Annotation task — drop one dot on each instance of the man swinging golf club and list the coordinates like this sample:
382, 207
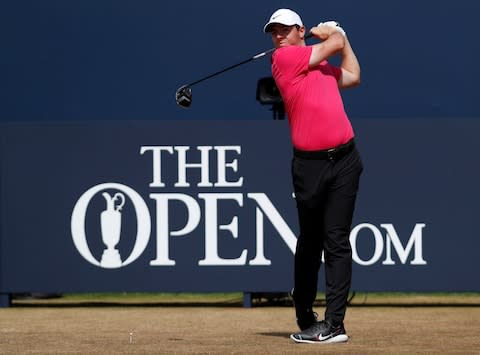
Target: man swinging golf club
326, 166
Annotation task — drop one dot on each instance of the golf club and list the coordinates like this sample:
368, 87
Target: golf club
183, 95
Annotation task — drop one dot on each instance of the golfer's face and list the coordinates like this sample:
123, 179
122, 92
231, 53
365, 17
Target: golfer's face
283, 36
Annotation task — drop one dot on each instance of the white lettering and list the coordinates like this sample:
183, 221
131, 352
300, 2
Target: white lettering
183, 165
163, 229
260, 257
415, 239
378, 244
211, 230
157, 163
277, 221
222, 165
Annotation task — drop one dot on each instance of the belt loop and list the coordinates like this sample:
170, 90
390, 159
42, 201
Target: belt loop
331, 154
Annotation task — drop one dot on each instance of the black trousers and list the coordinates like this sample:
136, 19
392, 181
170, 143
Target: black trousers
325, 192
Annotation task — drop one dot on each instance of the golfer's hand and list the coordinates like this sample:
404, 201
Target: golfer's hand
325, 29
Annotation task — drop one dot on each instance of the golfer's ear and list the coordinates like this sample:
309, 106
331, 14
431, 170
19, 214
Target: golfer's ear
301, 30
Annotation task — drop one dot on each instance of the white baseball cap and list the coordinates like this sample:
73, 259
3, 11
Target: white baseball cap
284, 17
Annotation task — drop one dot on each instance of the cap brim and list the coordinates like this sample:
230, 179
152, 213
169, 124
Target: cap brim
268, 27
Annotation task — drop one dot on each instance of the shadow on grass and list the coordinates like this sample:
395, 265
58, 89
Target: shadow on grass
275, 334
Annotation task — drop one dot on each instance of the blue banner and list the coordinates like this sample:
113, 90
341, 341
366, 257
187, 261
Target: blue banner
208, 206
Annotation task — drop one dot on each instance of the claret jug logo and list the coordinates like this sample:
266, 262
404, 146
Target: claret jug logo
111, 224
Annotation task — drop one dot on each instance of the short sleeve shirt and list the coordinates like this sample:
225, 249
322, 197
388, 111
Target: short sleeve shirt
313, 103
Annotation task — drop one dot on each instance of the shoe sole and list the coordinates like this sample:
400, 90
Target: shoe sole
341, 338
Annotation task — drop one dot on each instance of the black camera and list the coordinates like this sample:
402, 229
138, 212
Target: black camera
268, 94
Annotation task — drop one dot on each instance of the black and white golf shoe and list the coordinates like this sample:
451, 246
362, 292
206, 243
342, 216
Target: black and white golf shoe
321, 332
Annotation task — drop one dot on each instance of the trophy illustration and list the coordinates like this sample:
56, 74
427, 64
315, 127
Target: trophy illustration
111, 225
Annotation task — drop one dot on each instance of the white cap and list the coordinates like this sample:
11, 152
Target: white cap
284, 17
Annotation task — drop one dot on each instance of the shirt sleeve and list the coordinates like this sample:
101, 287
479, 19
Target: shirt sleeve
336, 71
291, 61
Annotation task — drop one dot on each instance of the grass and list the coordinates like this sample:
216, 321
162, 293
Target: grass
236, 299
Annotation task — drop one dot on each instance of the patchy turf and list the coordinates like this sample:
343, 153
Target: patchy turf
169, 324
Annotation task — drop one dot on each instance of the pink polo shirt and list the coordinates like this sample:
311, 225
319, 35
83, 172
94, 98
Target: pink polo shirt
312, 99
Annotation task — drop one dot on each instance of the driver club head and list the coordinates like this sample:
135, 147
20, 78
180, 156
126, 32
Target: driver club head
183, 96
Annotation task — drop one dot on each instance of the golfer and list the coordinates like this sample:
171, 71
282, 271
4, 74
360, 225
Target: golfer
326, 166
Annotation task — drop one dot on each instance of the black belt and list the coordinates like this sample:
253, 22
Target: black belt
328, 154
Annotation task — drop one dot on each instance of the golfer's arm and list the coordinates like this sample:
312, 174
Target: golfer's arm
332, 43
350, 67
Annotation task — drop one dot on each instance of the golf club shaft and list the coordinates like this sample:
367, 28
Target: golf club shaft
259, 55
